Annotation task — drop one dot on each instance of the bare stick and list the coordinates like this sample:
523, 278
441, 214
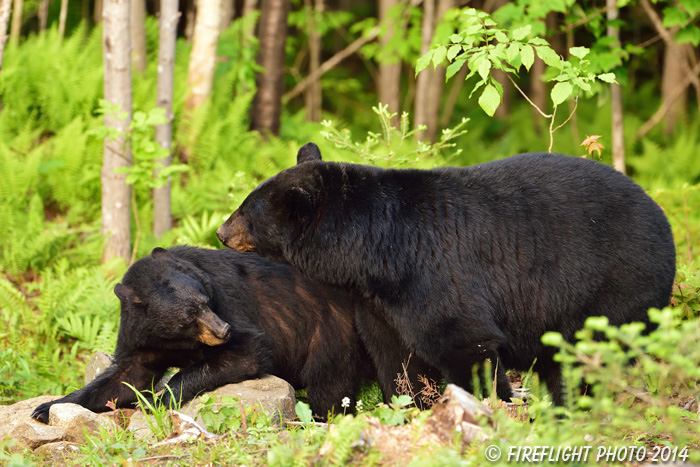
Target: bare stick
528, 99
330, 63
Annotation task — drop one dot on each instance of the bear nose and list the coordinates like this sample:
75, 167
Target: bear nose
225, 332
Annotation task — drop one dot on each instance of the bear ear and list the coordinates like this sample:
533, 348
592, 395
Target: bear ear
298, 202
159, 252
308, 152
126, 293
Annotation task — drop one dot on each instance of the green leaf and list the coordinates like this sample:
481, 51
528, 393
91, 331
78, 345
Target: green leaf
538, 41
552, 338
484, 69
456, 38
688, 35
439, 55
561, 92
453, 51
423, 61
549, 56
454, 68
521, 33
501, 37
607, 77
490, 100
579, 52
512, 52
527, 54
303, 412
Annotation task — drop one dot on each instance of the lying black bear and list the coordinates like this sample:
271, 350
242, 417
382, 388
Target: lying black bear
224, 317
468, 263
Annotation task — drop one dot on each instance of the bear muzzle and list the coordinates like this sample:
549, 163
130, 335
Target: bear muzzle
212, 329
234, 234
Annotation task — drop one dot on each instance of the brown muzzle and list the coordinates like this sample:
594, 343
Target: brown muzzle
234, 234
212, 329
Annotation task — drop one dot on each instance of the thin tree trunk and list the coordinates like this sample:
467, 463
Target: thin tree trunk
573, 124
138, 34
538, 90
313, 95
5, 9
430, 83
200, 74
248, 7
267, 105
16, 26
169, 14
672, 78
62, 18
618, 128
97, 14
228, 11
43, 14
389, 84
116, 215
85, 12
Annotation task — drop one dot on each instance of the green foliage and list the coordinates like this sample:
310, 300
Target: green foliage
227, 414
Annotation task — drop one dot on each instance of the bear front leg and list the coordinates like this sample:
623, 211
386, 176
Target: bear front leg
108, 386
217, 369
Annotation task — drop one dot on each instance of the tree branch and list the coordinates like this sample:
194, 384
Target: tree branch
330, 63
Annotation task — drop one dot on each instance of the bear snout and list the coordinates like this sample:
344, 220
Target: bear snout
234, 234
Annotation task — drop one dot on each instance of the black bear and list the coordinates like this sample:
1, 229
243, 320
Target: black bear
465, 264
224, 317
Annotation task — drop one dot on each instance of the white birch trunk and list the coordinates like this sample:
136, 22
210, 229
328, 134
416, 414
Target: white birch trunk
200, 74
62, 18
5, 9
162, 216
116, 215
138, 34
618, 130
16, 26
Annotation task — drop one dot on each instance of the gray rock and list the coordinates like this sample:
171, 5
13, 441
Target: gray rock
275, 395
57, 447
77, 420
96, 365
139, 425
33, 434
19, 413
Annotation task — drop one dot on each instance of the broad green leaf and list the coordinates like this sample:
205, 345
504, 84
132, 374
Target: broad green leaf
456, 38
691, 6
607, 77
521, 33
439, 55
424, 61
502, 38
561, 92
549, 56
689, 34
477, 86
454, 67
579, 52
527, 54
538, 41
490, 100
453, 51
484, 69
512, 51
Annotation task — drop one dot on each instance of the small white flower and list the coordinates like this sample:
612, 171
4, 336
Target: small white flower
358, 405
346, 402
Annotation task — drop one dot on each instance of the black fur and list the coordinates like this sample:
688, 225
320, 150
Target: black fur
267, 319
464, 264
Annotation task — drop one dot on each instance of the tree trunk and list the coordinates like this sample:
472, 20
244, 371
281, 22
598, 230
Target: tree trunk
62, 18
267, 105
248, 6
5, 9
313, 95
162, 216
138, 34
116, 216
43, 14
190, 18
228, 11
538, 89
618, 129
200, 74
97, 14
16, 26
389, 84
430, 83
672, 78
85, 12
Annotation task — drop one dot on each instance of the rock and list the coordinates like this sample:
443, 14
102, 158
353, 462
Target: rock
77, 420
96, 365
138, 424
275, 395
33, 434
19, 413
57, 447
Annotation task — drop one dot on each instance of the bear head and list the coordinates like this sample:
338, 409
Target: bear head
165, 303
273, 214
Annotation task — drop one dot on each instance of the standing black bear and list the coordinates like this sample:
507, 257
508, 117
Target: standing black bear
224, 317
465, 264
